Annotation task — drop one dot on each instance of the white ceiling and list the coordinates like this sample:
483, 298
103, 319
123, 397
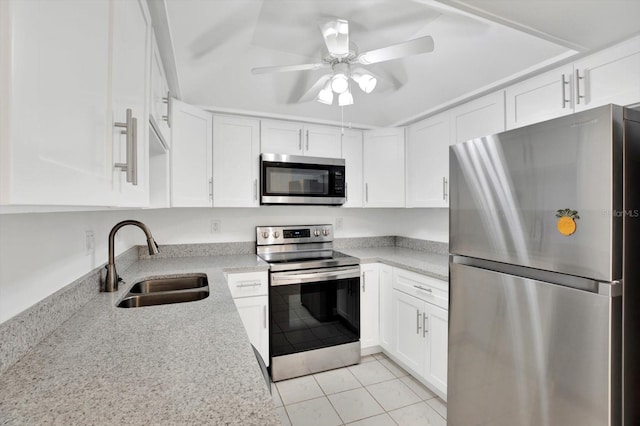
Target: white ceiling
478, 43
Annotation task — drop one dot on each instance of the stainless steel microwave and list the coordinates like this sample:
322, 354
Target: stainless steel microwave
293, 179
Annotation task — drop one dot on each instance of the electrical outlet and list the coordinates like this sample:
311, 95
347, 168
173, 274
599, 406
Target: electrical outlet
216, 226
89, 242
339, 224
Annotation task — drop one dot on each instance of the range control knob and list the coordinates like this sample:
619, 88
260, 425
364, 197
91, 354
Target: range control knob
316, 233
325, 232
276, 234
265, 234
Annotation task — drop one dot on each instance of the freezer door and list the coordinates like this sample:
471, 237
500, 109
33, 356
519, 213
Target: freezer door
507, 189
530, 353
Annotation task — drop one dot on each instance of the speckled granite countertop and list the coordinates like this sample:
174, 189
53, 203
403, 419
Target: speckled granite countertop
181, 364
427, 263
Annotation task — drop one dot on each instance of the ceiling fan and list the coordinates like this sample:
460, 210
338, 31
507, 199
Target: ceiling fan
343, 59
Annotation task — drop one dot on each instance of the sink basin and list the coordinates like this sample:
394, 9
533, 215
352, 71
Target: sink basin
163, 298
164, 291
155, 285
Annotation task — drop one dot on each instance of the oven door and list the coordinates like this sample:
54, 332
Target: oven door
314, 309
288, 179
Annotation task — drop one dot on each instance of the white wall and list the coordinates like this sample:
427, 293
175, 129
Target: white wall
42, 252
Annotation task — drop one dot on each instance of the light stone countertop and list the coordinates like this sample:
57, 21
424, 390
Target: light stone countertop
427, 263
181, 364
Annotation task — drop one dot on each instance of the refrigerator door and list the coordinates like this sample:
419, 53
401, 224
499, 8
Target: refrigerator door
530, 353
507, 189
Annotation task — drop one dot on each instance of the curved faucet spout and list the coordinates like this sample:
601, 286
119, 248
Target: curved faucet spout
112, 278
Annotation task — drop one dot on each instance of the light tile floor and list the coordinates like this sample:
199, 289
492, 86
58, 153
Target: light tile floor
376, 392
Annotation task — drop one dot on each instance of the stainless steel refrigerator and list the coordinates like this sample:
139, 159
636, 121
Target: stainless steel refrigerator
544, 317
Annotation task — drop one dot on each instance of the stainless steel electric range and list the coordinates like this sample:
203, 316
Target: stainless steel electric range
314, 300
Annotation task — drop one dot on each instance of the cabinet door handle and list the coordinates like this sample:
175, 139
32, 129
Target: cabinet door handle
129, 131
578, 95
264, 316
363, 283
366, 192
445, 184
346, 192
134, 152
210, 189
425, 320
565, 82
307, 148
255, 189
417, 322
300, 140
167, 101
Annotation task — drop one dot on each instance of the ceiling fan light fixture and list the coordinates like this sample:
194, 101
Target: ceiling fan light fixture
325, 95
345, 98
366, 81
339, 83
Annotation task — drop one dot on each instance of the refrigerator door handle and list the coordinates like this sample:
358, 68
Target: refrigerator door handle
611, 289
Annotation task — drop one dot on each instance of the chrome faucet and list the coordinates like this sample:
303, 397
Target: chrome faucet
112, 279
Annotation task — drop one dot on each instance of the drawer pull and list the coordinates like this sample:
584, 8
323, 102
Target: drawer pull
248, 284
419, 287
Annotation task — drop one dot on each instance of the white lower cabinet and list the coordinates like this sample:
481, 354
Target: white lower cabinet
420, 327
369, 300
250, 294
385, 280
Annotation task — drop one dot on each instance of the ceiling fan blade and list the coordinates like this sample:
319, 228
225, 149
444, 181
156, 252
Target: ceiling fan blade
400, 50
336, 37
312, 93
288, 68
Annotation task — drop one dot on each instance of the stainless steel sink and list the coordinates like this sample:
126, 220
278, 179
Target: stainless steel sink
163, 291
155, 285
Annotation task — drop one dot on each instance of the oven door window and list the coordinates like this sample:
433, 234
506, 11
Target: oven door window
314, 315
296, 181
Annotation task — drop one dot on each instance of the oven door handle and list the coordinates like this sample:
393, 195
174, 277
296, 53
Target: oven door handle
287, 278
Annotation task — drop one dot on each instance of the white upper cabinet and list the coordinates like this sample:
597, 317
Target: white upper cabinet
191, 156
384, 168
236, 153
427, 165
610, 76
352, 154
481, 117
293, 138
322, 141
70, 72
540, 98
281, 137
54, 99
160, 96
130, 85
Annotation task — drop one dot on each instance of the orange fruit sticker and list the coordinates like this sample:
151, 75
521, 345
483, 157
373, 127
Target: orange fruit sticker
567, 221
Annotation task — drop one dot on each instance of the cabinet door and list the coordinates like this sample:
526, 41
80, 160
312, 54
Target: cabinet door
610, 76
385, 283
281, 137
481, 117
253, 311
352, 154
384, 168
435, 325
369, 297
54, 95
236, 153
409, 339
428, 162
540, 98
131, 44
159, 101
191, 156
322, 141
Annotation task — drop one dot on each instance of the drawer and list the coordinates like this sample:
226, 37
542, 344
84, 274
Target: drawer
425, 288
244, 284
